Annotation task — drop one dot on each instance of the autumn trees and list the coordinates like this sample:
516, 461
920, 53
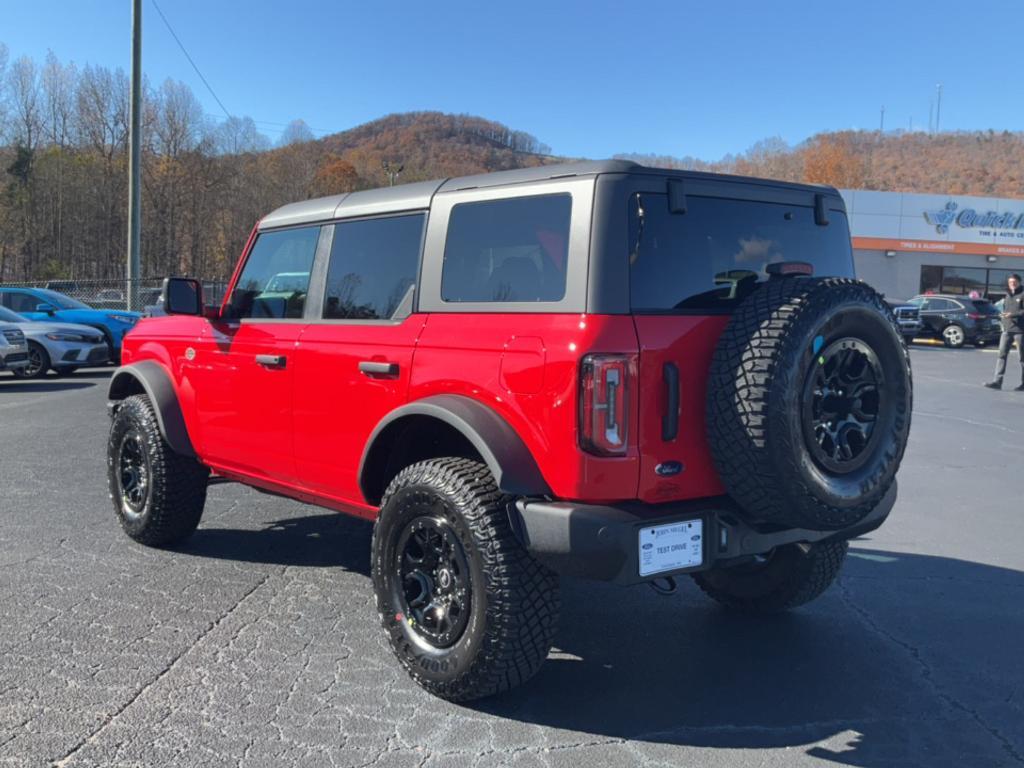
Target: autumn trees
63, 170
206, 181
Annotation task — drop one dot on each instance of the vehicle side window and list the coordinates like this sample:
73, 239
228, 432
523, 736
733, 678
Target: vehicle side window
374, 266
508, 250
275, 278
20, 301
939, 305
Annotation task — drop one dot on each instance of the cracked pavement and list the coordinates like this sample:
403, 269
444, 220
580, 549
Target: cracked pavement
256, 643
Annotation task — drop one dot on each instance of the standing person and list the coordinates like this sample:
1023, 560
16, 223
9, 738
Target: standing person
1013, 330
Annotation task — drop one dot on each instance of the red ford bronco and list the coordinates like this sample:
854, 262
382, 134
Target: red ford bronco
596, 369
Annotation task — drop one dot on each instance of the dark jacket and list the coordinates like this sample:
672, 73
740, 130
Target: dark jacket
1013, 305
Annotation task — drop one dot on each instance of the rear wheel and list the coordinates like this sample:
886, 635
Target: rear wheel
785, 578
158, 495
468, 611
38, 363
953, 336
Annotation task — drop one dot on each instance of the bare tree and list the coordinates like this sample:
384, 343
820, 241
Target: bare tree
296, 132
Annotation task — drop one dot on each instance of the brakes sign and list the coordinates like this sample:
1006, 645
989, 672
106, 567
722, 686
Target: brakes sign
671, 547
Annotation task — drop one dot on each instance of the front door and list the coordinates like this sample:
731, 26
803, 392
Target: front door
245, 362
355, 358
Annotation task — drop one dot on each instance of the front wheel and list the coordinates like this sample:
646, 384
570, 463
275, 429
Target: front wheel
158, 495
38, 363
468, 612
786, 577
953, 336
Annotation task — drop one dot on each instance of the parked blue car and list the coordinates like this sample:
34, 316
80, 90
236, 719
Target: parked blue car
43, 304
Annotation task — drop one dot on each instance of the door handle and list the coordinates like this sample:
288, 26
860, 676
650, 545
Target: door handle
670, 419
271, 361
374, 368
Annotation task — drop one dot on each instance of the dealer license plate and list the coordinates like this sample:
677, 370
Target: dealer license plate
671, 546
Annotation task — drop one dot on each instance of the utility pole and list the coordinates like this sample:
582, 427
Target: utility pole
881, 123
938, 106
135, 161
391, 171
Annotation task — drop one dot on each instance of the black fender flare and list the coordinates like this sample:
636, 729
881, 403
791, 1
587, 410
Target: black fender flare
499, 445
159, 388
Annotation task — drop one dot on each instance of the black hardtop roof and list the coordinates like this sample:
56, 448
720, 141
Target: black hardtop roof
417, 195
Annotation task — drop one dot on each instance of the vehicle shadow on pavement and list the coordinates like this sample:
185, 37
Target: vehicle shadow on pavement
894, 665
330, 540
39, 385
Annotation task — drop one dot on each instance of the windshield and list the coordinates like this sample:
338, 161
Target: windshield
61, 301
10, 317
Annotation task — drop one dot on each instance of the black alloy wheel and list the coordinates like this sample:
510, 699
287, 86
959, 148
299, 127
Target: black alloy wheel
467, 611
842, 401
158, 495
433, 583
133, 473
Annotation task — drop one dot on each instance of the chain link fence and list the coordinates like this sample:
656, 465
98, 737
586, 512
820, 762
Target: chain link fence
116, 294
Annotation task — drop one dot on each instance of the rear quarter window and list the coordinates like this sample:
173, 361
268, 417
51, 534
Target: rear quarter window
710, 258
511, 250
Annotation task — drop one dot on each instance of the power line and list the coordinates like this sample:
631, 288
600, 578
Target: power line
190, 61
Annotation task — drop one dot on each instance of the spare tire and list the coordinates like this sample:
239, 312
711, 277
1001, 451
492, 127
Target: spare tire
809, 401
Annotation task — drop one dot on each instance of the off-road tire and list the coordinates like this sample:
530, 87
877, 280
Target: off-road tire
760, 374
514, 600
788, 578
30, 371
176, 485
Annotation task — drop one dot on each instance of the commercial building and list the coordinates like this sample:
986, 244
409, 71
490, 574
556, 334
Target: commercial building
905, 244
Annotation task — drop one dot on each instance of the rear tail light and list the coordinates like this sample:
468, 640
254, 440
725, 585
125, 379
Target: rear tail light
975, 316
605, 384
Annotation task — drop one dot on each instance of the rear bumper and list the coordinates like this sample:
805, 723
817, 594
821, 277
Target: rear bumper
602, 542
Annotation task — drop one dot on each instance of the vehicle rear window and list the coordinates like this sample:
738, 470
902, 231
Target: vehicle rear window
710, 258
507, 250
985, 307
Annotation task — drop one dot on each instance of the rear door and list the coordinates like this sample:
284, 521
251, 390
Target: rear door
355, 357
689, 270
933, 315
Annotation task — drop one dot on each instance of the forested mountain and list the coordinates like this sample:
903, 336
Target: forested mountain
987, 163
64, 176
63, 168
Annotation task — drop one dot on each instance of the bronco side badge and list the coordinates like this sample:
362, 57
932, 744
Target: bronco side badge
669, 468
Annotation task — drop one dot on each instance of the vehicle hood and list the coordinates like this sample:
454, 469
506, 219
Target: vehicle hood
41, 328
92, 315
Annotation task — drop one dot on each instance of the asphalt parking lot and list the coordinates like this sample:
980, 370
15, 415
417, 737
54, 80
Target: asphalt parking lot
257, 644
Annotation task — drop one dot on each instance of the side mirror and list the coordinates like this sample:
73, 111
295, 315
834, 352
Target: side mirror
182, 296
47, 308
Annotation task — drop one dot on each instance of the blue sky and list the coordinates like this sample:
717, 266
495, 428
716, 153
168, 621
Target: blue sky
589, 79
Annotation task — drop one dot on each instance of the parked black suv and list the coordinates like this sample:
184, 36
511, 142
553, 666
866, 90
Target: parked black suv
958, 320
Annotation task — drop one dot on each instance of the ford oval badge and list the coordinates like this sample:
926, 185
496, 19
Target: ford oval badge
669, 468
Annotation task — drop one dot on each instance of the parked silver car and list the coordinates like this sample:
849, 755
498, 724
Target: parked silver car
13, 350
60, 346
